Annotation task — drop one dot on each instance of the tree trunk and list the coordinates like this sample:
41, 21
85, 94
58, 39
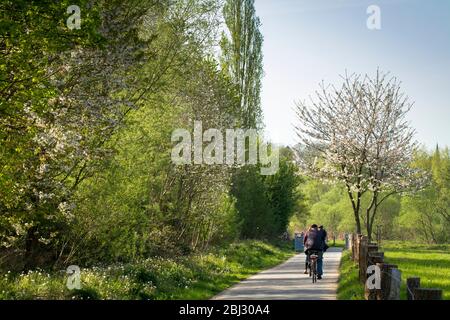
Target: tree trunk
356, 208
370, 218
369, 231
362, 258
31, 244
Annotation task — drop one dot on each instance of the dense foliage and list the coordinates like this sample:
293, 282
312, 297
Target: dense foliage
86, 121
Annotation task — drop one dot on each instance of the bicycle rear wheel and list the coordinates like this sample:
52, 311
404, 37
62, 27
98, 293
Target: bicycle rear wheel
314, 272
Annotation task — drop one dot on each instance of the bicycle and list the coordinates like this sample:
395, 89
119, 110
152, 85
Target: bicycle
312, 265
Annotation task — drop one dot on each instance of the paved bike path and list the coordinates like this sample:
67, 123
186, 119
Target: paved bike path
287, 282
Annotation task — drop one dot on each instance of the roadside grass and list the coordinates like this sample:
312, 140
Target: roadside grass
429, 262
195, 277
349, 286
339, 243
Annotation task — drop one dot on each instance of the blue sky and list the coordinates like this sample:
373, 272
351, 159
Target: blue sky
307, 41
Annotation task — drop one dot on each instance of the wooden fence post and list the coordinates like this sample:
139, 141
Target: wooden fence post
380, 265
362, 259
386, 280
427, 294
372, 247
357, 247
369, 294
411, 284
374, 258
396, 280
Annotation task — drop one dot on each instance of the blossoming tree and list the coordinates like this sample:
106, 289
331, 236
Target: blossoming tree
358, 134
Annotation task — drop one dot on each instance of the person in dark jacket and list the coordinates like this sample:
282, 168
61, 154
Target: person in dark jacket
314, 241
323, 236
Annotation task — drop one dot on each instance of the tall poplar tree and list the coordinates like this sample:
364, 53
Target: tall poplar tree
242, 58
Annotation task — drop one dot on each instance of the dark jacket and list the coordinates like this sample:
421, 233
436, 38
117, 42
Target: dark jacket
315, 240
323, 237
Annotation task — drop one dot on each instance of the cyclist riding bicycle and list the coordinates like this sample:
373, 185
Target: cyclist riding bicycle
314, 242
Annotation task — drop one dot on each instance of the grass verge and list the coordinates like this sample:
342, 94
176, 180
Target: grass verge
349, 287
194, 277
429, 262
